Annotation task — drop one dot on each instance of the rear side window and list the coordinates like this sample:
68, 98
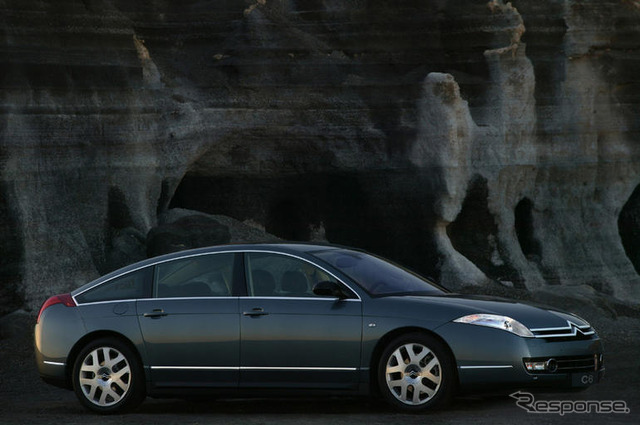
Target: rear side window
134, 285
208, 275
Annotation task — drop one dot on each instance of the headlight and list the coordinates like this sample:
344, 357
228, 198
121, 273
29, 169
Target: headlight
499, 322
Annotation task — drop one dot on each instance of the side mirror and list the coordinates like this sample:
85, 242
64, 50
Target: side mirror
326, 288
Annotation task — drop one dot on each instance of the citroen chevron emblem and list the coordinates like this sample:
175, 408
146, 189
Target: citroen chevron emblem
575, 328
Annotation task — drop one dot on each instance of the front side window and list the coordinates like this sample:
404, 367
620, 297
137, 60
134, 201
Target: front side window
276, 275
208, 275
134, 285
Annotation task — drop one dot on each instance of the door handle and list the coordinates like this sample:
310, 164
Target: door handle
258, 311
155, 313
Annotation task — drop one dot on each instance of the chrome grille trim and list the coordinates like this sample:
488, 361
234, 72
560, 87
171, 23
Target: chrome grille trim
571, 330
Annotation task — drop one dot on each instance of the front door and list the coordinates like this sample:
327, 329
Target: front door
292, 338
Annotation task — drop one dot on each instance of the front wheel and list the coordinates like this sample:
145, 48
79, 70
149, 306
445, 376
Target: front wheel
107, 377
416, 372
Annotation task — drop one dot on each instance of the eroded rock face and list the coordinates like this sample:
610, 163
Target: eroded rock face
181, 229
476, 142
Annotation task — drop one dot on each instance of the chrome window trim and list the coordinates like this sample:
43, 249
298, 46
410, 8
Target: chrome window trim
126, 300
243, 297
241, 368
266, 297
226, 297
200, 254
223, 297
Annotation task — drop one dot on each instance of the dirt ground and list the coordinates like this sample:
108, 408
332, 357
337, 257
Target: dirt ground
25, 399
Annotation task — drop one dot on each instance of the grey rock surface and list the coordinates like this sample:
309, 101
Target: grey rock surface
476, 142
181, 229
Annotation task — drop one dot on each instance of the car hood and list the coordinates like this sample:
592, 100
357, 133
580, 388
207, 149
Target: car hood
452, 306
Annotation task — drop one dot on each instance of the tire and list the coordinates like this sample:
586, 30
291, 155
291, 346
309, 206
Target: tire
108, 377
415, 373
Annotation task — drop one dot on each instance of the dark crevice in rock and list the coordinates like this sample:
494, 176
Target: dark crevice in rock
545, 40
531, 247
389, 119
124, 243
165, 197
601, 286
119, 215
629, 228
11, 256
474, 235
464, 43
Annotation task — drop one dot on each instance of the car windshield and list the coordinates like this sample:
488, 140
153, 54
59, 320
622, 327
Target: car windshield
377, 276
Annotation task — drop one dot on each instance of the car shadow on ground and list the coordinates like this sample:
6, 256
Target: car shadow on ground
307, 406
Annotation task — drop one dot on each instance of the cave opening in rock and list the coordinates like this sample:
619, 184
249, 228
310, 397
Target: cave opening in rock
474, 235
287, 206
629, 228
524, 226
386, 213
291, 218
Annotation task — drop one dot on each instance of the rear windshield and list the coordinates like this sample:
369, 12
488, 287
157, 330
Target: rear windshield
377, 276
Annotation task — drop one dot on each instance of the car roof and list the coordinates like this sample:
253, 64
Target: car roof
287, 248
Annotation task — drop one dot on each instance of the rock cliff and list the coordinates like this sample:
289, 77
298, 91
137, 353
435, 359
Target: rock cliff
479, 142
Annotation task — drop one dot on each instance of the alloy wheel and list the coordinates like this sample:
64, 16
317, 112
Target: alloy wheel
413, 374
104, 376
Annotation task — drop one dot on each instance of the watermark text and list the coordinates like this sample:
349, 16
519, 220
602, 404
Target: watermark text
528, 402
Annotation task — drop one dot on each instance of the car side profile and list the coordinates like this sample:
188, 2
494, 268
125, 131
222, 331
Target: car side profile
278, 319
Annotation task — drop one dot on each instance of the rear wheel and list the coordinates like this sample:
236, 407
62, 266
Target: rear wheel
107, 377
416, 372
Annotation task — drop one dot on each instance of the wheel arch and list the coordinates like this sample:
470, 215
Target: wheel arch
86, 339
390, 336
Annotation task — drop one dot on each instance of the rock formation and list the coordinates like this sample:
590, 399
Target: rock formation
476, 142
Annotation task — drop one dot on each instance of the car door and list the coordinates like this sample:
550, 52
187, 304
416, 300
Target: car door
291, 338
191, 325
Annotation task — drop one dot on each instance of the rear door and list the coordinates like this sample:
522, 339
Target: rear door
191, 326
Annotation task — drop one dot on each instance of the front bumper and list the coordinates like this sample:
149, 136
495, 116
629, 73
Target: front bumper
488, 358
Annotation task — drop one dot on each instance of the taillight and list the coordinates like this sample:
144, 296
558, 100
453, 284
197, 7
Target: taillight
65, 299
